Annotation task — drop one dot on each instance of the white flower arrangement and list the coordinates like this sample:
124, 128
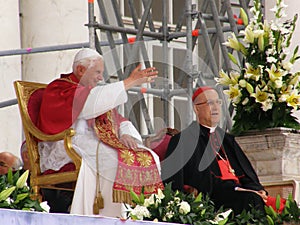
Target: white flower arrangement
15, 193
264, 91
170, 206
184, 208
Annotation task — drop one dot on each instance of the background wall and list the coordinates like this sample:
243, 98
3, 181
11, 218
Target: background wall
10, 70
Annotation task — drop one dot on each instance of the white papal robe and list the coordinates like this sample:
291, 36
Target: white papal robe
100, 100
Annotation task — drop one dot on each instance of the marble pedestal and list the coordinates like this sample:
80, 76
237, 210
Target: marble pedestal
274, 153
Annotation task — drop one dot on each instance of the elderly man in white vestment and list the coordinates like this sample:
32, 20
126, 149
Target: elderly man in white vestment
75, 100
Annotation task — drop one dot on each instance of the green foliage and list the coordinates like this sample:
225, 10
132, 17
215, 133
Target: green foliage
253, 216
291, 212
167, 206
15, 194
177, 207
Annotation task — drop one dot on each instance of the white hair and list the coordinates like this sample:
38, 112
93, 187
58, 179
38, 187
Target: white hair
18, 164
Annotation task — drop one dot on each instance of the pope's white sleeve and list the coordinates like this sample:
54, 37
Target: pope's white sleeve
126, 127
102, 99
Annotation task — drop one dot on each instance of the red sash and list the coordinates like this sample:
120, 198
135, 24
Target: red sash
136, 168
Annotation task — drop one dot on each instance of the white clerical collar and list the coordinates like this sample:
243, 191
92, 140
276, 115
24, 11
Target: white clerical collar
211, 129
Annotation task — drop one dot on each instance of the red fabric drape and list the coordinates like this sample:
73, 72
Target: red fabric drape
62, 102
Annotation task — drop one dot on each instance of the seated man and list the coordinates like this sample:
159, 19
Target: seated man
113, 159
209, 160
9, 160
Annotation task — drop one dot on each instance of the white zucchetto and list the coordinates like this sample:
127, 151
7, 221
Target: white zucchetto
86, 53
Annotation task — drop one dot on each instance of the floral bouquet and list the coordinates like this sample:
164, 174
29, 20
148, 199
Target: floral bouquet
263, 90
177, 207
15, 194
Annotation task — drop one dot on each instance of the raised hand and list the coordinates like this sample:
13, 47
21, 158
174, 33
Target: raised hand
138, 76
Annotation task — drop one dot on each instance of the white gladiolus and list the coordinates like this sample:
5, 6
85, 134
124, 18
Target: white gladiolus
271, 59
287, 66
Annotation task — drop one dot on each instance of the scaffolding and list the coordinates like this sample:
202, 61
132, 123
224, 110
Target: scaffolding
205, 23
192, 25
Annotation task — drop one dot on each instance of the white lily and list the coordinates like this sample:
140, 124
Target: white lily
293, 99
252, 73
21, 182
248, 35
221, 218
234, 94
45, 206
233, 42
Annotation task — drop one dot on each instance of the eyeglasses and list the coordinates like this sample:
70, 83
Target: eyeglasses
3, 164
211, 102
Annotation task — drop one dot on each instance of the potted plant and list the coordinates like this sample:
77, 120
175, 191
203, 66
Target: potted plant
263, 89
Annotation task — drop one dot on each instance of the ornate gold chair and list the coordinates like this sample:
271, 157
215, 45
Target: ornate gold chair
29, 96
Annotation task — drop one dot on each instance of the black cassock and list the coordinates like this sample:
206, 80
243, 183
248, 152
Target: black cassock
191, 160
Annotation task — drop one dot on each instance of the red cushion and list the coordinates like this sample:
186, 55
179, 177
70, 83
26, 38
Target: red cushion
34, 104
160, 147
65, 168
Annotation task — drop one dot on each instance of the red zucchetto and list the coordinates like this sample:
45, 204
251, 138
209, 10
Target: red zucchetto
200, 90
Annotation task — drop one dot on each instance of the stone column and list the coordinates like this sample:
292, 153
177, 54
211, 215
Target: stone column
51, 23
10, 129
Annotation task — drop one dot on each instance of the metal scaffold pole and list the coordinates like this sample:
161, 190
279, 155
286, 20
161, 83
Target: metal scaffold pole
213, 20
91, 21
165, 63
189, 59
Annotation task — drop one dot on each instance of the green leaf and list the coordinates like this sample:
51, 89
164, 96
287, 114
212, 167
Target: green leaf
278, 202
135, 197
21, 197
232, 58
223, 222
199, 197
10, 176
6, 193
270, 220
